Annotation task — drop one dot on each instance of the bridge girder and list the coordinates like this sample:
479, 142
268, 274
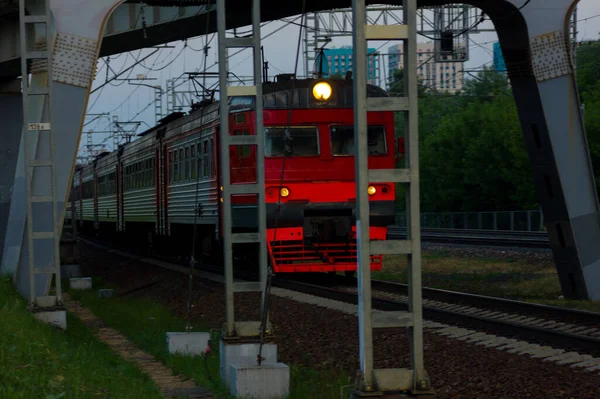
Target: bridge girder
534, 42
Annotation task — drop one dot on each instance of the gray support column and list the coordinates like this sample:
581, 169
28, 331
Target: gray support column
70, 87
233, 329
413, 379
11, 128
536, 46
15, 227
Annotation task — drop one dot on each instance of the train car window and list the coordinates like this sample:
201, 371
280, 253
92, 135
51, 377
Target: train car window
180, 177
132, 181
213, 167
187, 163
193, 162
199, 159
171, 166
152, 173
126, 178
206, 160
175, 167
304, 141
342, 140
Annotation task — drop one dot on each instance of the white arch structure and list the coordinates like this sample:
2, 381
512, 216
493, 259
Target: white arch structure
534, 38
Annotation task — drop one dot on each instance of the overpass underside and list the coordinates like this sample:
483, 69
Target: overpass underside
534, 42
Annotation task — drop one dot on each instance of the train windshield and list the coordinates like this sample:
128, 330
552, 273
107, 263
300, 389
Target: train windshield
303, 141
342, 140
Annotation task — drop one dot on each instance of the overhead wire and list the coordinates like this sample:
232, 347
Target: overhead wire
235, 53
128, 68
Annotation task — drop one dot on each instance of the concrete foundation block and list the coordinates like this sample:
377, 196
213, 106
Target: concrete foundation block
83, 283
56, 318
189, 344
70, 271
232, 353
46, 301
105, 293
267, 381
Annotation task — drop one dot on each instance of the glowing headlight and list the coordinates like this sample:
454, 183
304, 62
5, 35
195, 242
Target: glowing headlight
322, 91
284, 192
371, 190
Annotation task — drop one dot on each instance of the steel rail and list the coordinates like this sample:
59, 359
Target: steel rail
496, 326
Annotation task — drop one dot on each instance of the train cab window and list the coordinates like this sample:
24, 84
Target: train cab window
269, 100
303, 141
281, 99
342, 140
241, 100
206, 159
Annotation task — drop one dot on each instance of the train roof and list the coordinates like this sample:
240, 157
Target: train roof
276, 95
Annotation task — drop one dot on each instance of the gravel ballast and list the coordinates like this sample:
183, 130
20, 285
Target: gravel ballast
324, 338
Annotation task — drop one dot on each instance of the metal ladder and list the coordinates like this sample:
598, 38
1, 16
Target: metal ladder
34, 230
414, 379
227, 140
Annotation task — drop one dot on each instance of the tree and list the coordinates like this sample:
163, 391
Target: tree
396, 84
486, 84
588, 59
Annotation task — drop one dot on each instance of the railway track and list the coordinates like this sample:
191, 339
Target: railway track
545, 325
524, 239
567, 329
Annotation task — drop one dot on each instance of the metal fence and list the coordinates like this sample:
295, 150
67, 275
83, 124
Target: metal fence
500, 220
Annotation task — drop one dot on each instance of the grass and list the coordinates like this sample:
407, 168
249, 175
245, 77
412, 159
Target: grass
145, 323
41, 361
507, 278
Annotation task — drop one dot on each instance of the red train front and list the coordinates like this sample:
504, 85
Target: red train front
310, 175
163, 188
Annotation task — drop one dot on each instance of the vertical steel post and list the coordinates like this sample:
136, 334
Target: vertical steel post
35, 232
413, 233
359, 57
414, 379
260, 153
227, 140
225, 169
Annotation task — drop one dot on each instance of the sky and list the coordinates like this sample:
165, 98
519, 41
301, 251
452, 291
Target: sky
129, 102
